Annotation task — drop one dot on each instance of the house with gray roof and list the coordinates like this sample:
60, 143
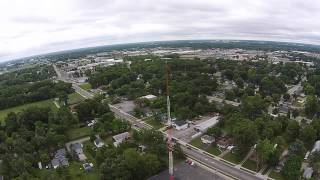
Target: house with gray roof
77, 151
119, 138
60, 159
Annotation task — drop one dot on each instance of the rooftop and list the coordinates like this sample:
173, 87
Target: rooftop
204, 126
121, 137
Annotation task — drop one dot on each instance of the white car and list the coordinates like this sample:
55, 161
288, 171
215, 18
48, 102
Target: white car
230, 148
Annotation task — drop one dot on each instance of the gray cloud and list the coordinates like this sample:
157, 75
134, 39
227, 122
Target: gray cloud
43, 26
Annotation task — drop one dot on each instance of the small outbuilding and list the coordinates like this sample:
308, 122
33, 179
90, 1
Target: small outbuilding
150, 97
308, 171
98, 142
180, 125
206, 139
119, 138
78, 151
316, 146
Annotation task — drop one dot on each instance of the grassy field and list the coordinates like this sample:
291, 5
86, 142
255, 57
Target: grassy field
46, 103
75, 98
75, 172
276, 175
156, 124
233, 157
211, 149
77, 133
197, 143
249, 164
86, 86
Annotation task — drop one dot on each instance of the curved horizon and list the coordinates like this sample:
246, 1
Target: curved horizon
38, 27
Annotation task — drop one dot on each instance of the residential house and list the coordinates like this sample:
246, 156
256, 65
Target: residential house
60, 159
119, 138
77, 151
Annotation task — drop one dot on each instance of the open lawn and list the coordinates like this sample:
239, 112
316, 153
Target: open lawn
212, 149
196, 142
77, 133
156, 124
249, 164
86, 86
75, 172
276, 175
46, 103
75, 98
233, 157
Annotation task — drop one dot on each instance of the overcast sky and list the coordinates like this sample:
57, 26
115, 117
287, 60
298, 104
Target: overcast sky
38, 26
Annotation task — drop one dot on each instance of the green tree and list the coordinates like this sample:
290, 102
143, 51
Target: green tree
264, 149
214, 131
245, 135
291, 169
253, 106
308, 135
311, 106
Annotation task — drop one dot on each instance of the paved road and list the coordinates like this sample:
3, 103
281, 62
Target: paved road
123, 115
82, 92
184, 171
76, 87
218, 165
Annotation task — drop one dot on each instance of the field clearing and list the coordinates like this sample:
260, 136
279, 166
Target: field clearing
212, 149
78, 133
45, 103
75, 98
233, 157
249, 164
154, 123
86, 86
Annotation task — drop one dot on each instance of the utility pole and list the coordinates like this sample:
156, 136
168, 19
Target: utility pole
170, 143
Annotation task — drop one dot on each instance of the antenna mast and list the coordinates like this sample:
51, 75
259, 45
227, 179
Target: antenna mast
170, 143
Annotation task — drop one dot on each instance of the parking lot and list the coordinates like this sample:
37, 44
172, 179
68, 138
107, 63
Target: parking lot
186, 134
126, 106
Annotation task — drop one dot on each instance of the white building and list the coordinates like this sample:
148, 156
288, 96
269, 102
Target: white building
180, 125
98, 143
316, 146
150, 97
119, 138
206, 139
204, 126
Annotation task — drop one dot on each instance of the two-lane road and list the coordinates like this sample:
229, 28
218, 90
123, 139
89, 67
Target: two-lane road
222, 167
